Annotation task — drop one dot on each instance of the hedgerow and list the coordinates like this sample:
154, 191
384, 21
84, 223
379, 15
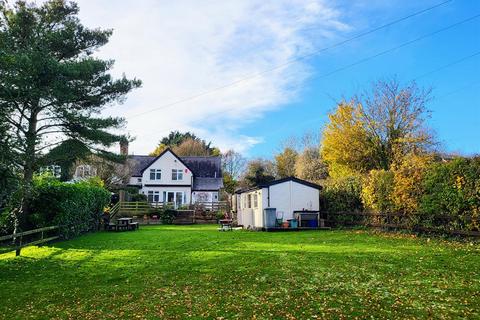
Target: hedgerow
76, 207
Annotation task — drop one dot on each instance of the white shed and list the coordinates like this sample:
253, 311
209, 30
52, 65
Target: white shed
286, 195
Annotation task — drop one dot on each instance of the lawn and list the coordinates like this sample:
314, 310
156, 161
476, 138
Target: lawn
196, 271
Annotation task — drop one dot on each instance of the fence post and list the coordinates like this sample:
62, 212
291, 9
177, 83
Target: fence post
19, 248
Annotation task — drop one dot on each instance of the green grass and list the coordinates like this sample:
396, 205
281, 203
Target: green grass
196, 271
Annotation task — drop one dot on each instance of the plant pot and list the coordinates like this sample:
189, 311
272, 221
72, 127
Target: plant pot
285, 224
293, 223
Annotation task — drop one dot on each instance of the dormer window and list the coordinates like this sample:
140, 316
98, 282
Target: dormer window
177, 174
155, 174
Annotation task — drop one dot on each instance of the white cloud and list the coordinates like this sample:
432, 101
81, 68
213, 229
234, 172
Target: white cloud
182, 48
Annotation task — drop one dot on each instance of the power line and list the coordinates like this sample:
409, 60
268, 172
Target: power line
404, 44
448, 65
288, 62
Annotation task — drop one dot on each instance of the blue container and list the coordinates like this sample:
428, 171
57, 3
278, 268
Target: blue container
293, 223
312, 223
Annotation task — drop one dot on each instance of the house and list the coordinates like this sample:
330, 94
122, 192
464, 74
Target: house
287, 196
178, 180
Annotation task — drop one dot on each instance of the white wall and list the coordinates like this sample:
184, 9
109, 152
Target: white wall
166, 163
291, 196
134, 181
204, 196
286, 197
251, 216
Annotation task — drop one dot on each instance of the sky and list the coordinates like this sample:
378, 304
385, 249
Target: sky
249, 74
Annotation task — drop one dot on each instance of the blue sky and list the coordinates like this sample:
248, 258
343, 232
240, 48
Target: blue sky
456, 104
187, 54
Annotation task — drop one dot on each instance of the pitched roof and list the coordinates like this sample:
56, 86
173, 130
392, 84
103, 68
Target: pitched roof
139, 163
278, 181
207, 184
205, 167
201, 167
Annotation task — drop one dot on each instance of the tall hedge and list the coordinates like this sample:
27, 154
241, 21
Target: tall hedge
452, 195
77, 207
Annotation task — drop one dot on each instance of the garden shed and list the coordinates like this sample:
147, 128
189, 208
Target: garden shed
286, 197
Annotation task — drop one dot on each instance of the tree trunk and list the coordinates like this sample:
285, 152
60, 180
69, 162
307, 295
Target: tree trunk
28, 170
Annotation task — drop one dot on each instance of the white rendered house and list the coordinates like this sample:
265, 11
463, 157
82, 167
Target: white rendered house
178, 180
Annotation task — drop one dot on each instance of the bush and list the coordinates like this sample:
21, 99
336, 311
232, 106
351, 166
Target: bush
168, 215
138, 197
77, 207
452, 189
342, 195
377, 191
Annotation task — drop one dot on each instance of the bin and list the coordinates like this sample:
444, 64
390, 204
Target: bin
312, 223
269, 217
293, 223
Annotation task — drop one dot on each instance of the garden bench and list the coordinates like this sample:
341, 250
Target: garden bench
133, 226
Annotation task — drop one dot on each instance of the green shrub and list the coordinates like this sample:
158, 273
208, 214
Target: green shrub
377, 189
342, 195
451, 195
77, 207
138, 197
168, 215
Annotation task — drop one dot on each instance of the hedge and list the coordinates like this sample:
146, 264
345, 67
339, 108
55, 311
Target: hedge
77, 207
452, 195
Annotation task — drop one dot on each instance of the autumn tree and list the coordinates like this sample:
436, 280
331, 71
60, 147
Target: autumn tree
310, 166
258, 172
285, 162
408, 178
185, 144
233, 164
191, 147
52, 88
374, 129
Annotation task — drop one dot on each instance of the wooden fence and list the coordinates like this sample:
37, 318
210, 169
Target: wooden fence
139, 208
438, 224
17, 239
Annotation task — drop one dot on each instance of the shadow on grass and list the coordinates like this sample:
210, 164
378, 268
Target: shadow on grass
172, 272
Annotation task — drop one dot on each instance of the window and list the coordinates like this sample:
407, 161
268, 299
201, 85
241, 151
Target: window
155, 174
255, 201
139, 180
54, 169
177, 174
249, 200
85, 171
153, 196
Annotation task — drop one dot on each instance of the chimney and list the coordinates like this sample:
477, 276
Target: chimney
124, 147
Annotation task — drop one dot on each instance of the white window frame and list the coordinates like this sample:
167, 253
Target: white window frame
177, 174
153, 196
255, 200
155, 174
